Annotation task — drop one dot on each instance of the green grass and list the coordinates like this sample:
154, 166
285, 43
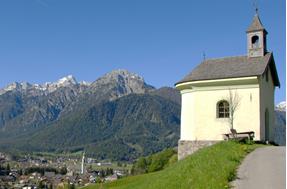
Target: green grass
113, 166
212, 167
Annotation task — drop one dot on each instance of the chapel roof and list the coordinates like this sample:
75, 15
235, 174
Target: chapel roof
256, 25
233, 67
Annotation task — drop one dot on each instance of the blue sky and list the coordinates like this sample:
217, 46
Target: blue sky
161, 40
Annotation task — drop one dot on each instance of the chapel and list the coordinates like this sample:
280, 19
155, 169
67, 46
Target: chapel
229, 93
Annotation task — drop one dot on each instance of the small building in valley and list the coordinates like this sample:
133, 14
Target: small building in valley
231, 92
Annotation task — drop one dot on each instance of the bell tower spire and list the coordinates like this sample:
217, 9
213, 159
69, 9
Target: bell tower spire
256, 37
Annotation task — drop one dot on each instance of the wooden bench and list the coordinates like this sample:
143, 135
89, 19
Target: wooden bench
239, 136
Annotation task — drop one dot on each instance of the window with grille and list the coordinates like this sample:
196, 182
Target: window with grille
223, 109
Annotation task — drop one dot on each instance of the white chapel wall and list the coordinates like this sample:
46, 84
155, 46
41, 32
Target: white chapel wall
199, 119
267, 102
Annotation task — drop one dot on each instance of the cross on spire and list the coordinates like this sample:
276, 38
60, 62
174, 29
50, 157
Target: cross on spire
204, 56
255, 4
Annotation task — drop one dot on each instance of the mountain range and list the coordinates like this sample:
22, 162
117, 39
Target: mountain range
280, 124
116, 117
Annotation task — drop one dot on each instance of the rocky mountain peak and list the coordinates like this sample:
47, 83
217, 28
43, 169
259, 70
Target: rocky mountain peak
124, 74
121, 82
67, 81
16, 86
63, 82
121, 76
13, 86
85, 83
25, 85
46, 88
115, 84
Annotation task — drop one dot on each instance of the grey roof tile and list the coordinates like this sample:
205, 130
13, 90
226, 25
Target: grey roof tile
231, 67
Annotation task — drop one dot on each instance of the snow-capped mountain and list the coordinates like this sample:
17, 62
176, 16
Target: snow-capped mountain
281, 106
16, 86
43, 88
63, 82
40, 103
79, 114
13, 86
67, 80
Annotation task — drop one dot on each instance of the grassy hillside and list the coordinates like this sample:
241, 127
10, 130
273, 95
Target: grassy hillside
212, 167
155, 162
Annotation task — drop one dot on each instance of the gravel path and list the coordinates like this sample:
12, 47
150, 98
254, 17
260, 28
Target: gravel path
264, 168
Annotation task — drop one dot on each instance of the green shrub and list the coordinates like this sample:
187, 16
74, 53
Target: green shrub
154, 162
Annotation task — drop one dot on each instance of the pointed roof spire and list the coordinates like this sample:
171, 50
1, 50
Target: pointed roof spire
256, 24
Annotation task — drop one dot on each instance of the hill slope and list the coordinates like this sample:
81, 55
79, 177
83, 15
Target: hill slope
211, 167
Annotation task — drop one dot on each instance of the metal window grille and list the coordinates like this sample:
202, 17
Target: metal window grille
223, 109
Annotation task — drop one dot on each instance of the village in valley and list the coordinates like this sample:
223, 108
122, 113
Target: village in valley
32, 171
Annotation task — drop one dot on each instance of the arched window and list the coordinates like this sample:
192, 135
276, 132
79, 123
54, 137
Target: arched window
255, 41
223, 109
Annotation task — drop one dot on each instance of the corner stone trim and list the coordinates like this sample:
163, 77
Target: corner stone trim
188, 147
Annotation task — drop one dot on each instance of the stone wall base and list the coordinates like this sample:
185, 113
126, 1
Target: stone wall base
187, 147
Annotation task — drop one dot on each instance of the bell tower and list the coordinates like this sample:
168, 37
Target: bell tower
256, 38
